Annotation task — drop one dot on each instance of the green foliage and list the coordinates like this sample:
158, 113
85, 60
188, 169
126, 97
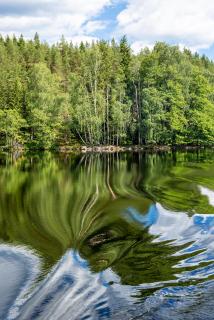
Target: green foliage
103, 94
152, 107
45, 102
11, 124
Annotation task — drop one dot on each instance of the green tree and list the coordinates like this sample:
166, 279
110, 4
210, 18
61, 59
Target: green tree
45, 103
11, 124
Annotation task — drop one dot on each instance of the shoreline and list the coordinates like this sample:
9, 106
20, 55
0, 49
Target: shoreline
111, 148
134, 148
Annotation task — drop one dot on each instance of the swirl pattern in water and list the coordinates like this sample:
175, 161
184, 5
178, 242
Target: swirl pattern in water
112, 236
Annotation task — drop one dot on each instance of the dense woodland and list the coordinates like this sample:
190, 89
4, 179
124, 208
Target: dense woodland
103, 94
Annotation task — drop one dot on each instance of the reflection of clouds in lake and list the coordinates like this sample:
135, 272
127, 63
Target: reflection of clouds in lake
195, 232
19, 268
70, 291
170, 225
197, 229
179, 303
184, 300
209, 193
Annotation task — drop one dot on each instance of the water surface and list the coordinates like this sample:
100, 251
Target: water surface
111, 236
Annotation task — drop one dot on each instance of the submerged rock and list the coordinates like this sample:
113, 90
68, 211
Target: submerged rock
100, 239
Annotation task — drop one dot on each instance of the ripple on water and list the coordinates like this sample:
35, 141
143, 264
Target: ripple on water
107, 237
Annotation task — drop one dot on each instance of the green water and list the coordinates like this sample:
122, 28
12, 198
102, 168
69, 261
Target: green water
121, 213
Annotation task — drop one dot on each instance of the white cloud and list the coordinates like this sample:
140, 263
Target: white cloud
51, 18
22, 23
95, 25
137, 46
189, 22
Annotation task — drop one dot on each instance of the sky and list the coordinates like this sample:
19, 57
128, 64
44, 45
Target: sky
187, 23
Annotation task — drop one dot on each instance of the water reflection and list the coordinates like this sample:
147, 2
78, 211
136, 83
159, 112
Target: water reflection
105, 232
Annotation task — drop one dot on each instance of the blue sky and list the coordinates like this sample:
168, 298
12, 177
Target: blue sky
187, 23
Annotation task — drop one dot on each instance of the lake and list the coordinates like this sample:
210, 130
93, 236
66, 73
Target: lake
107, 236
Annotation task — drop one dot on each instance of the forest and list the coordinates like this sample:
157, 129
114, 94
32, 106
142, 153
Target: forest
103, 94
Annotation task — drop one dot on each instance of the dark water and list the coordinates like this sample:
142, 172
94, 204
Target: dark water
113, 236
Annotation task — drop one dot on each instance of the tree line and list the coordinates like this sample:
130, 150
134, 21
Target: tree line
103, 94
